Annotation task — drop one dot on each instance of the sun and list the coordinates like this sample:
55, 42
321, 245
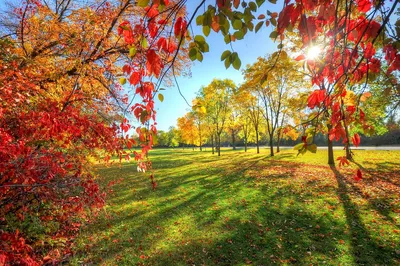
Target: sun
313, 52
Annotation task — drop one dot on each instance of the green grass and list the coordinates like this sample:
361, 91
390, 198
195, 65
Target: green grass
246, 208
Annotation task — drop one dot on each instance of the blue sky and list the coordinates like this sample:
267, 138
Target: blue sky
251, 47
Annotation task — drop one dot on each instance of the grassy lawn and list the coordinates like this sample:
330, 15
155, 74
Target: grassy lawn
243, 208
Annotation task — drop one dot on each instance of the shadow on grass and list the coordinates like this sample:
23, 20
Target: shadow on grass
232, 210
365, 249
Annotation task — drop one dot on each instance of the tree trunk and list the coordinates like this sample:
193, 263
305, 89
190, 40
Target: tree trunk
347, 147
201, 148
212, 143
219, 144
331, 161
258, 146
278, 142
233, 139
271, 145
245, 144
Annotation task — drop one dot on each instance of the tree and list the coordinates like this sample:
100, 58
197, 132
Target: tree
251, 104
273, 79
199, 116
233, 126
216, 97
188, 130
60, 107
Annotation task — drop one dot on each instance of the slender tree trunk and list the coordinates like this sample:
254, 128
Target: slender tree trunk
233, 139
201, 149
271, 144
348, 151
245, 144
331, 161
258, 146
278, 142
219, 144
212, 143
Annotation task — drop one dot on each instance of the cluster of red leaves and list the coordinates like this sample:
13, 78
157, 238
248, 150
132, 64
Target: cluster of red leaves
44, 176
149, 62
350, 57
13, 249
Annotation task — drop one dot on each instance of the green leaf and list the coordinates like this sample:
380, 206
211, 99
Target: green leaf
143, 116
237, 63
225, 54
132, 52
237, 24
161, 97
199, 39
207, 20
273, 21
253, 6
193, 54
227, 62
206, 30
280, 46
238, 34
273, 35
250, 26
199, 20
205, 48
143, 3
260, 2
200, 57
289, 28
309, 139
312, 148
298, 147
227, 38
144, 43
272, 1
259, 25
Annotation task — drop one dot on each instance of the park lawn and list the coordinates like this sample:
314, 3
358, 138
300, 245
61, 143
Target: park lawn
246, 208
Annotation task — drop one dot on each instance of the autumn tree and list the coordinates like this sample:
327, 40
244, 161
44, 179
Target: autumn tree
233, 126
61, 106
199, 117
251, 104
216, 97
188, 130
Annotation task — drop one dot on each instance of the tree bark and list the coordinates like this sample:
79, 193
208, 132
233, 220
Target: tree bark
258, 146
212, 143
201, 148
271, 145
219, 144
278, 142
331, 160
233, 139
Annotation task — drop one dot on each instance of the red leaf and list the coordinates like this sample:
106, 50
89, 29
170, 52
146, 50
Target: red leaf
300, 57
363, 5
152, 11
178, 26
358, 176
126, 69
134, 78
316, 98
356, 140
153, 64
342, 161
